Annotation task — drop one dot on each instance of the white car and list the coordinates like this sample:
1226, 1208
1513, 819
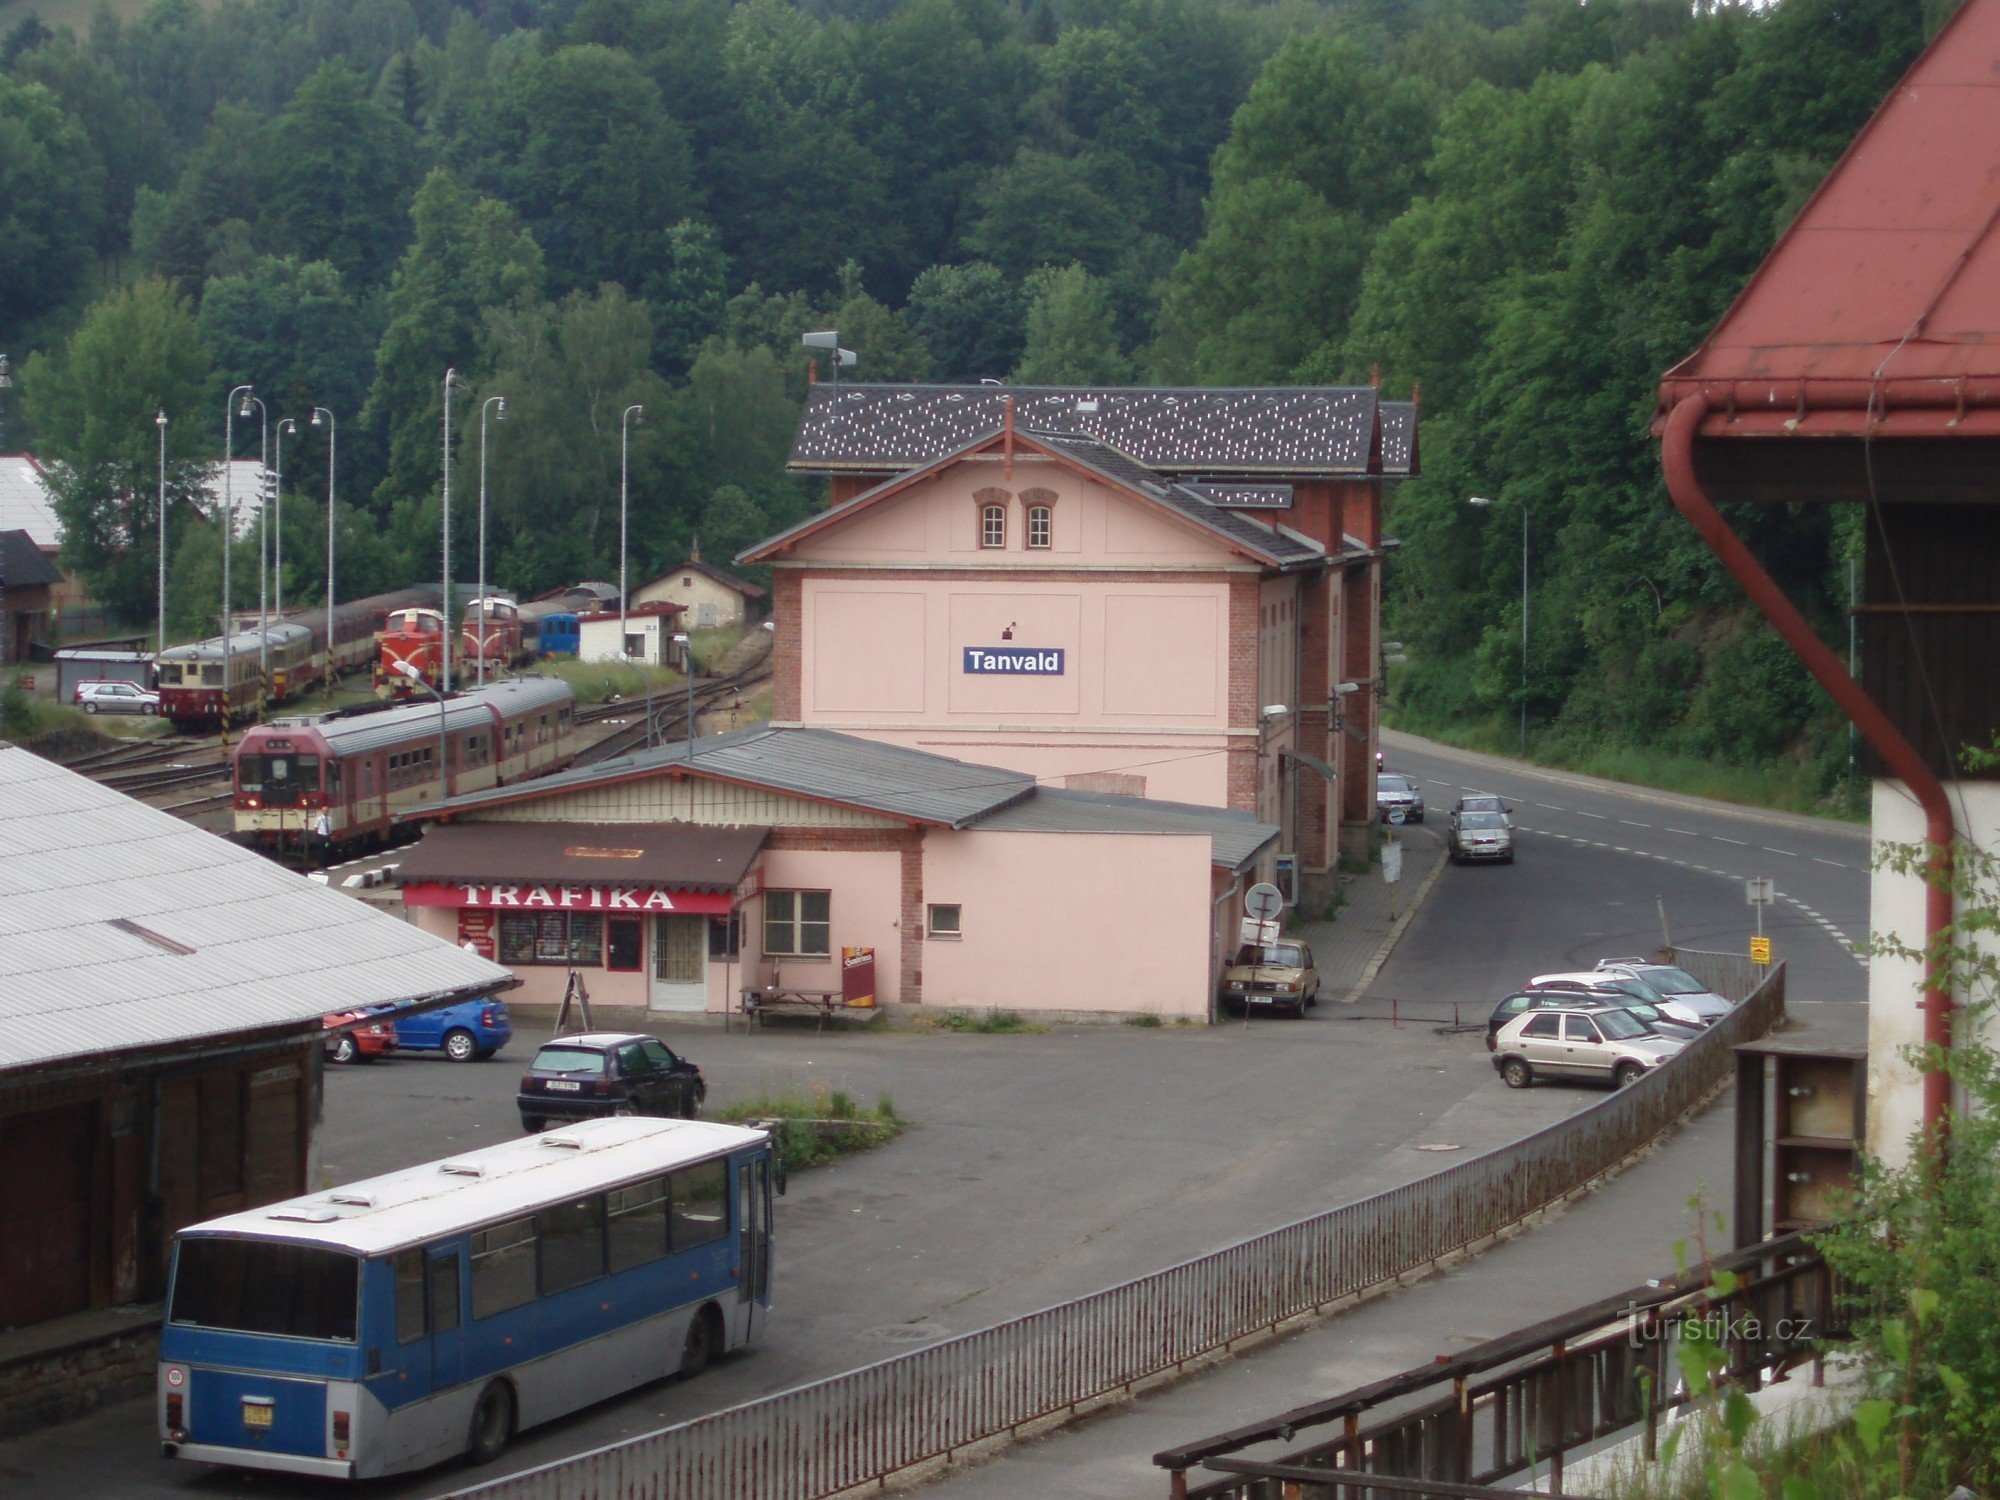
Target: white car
1603, 981
1601, 1043
1677, 985
115, 698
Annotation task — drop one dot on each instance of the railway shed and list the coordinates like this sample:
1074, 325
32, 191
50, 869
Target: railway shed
678, 877
162, 993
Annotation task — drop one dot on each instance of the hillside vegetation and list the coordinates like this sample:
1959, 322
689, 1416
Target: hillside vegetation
1526, 207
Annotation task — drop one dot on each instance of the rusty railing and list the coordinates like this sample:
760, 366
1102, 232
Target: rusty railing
931, 1403
1522, 1403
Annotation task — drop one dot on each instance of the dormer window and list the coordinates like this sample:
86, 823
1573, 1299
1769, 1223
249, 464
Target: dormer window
993, 526
1039, 526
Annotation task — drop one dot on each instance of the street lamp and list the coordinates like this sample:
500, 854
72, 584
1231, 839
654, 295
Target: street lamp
229, 498
278, 505
409, 670
263, 527
624, 478
1482, 500
485, 612
6, 384
687, 668
444, 643
161, 422
332, 436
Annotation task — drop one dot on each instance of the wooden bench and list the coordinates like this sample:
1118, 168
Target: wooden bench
822, 1005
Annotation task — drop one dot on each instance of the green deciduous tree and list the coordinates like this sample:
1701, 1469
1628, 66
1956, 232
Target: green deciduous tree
51, 201
971, 318
1071, 336
339, 178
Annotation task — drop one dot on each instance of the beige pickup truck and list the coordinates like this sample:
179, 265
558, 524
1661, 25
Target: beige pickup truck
1271, 977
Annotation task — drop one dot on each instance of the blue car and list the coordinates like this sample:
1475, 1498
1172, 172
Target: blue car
469, 1031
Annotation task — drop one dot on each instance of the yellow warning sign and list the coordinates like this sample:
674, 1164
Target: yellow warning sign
1760, 950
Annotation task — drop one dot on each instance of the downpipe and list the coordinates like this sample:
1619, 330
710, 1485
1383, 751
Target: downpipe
1677, 457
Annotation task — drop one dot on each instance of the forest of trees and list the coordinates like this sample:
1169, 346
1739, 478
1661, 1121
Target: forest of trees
1528, 208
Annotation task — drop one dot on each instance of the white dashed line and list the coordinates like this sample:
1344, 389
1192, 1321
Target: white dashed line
1788, 853
1688, 831
1601, 817
1547, 806
1630, 824
1837, 864
1739, 843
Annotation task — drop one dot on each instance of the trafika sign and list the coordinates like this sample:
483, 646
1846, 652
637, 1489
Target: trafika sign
570, 897
1014, 661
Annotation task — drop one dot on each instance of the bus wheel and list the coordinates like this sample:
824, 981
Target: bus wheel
702, 1338
492, 1423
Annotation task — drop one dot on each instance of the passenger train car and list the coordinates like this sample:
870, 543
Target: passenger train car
548, 630
361, 771
413, 636
223, 680
492, 631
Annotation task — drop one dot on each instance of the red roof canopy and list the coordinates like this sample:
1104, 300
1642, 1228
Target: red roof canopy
1883, 296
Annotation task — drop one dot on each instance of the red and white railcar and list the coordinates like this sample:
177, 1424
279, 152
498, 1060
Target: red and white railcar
415, 637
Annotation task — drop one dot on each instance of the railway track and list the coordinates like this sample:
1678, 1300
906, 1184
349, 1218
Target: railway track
665, 719
141, 783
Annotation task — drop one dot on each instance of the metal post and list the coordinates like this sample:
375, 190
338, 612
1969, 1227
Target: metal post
263, 527
444, 633
1853, 668
161, 419
332, 436
278, 507
485, 612
229, 506
624, 481
1524, 628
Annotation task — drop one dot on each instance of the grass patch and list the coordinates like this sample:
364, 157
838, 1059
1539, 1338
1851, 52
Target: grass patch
1146, 1020
601, 681
989, 1021
810, 1130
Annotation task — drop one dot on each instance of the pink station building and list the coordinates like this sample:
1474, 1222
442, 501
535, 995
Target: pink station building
1053, 664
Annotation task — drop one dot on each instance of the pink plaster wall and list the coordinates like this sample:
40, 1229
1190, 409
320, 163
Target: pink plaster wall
1099, 922
1176, 768
867, 891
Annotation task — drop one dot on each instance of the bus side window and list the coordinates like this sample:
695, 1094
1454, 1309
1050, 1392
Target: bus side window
503, 1267
444, 1289
638, 1224
409, 1296
700, 1205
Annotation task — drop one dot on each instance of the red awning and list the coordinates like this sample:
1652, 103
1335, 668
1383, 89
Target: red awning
1879, 308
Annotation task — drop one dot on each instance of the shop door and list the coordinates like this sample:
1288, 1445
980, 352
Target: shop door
680, 954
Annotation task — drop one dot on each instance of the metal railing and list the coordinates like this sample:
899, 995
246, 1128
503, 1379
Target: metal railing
1524, 1403
868, 1424
1734, 976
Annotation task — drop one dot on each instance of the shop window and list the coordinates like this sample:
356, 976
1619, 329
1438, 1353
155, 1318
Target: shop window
798, 924
552, 937
945, 921
993, 526
623, 944
1039, 517
725, 937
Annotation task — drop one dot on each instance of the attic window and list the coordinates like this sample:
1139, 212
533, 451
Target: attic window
165, 944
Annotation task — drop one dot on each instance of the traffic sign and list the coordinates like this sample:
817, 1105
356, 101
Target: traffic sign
1260, 933
1263, 901
1392, 861
1760, 950
1759, 892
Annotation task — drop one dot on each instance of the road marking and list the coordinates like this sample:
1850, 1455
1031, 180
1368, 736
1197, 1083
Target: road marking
1548, 806
1630, 824
1837, 864
1788, 853
1688, 831
1601, 817
1739, 843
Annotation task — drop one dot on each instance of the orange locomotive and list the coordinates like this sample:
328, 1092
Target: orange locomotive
415, 636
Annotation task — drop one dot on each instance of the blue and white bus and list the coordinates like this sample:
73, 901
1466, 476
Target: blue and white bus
391, 1324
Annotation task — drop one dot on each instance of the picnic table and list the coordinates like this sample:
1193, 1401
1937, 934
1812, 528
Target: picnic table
793, 1000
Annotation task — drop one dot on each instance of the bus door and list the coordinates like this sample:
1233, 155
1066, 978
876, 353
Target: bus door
447, 1338
754, 1249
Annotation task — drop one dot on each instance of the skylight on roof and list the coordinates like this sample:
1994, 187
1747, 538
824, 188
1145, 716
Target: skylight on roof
166, 944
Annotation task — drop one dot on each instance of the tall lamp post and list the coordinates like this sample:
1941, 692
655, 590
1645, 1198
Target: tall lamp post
444, 633
263, 532
278, 509
332, 435
410, 670
687, 669
484, 612
624, 485
1482, 500
229, 494
161, 422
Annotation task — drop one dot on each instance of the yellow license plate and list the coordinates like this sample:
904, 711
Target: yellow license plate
258, 1413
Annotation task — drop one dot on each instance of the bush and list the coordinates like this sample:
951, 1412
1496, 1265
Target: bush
814, 1129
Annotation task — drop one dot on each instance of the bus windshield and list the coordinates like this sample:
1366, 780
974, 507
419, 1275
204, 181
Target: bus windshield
253, 1286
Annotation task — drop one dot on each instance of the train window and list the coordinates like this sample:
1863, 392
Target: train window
211, 677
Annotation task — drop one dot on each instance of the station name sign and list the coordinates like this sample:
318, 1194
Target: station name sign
1014, 661
629, 898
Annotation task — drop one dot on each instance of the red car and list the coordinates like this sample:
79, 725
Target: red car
352, 1037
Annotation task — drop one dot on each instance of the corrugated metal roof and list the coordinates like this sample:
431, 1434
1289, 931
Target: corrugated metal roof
1236, 838
815, 763
23, 564
24, 501
239, 644
392, 726
416, 1204
1304, 430
216, 940
677, 856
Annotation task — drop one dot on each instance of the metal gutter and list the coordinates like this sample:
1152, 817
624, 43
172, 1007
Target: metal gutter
1677, 457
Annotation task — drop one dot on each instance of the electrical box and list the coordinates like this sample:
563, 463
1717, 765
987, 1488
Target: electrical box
1801, 1121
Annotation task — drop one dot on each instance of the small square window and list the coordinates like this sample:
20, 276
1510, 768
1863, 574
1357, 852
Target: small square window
945, 921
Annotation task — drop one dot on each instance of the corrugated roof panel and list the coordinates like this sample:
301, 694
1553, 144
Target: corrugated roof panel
268, 947
1235, 838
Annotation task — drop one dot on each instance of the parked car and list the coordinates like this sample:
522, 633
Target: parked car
1556, 998
1397, 798
1600, 982
1271, 976
355, 1036
607, 1073
1481, 802
1679, 986
115, 697
1481, 835
470, 1031
1594, 1042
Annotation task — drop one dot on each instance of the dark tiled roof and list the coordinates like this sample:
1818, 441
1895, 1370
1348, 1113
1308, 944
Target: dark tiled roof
1399, 437
1281, 547
23, 565
1305, 430
812, 763
677, 856
742, 586
1242, 496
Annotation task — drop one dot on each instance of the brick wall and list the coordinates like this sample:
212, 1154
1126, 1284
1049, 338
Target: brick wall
60, 1385
909, 842
1245, 631
913, 920
785, 691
